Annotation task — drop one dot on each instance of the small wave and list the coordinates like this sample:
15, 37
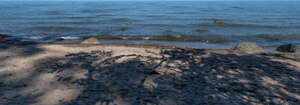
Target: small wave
78, 23
41, 37
237, 7
65, 18
244, 25
182, 12
266, 38
153, 15
156, 25
34, 37
65, 23
93, 11
175, 38
69, 38
101, 15
54, 13
163, 25
277, 37
119, 20
60, 28
217, 39
49, 37
177, 6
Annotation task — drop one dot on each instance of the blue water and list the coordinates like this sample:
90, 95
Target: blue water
269, 23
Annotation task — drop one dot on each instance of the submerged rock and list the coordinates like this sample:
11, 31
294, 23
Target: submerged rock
217, 21
289, 48
91, 40
237, 7
199, 30
4, 36
249, 48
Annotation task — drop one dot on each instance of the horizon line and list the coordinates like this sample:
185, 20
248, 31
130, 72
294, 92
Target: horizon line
149, 0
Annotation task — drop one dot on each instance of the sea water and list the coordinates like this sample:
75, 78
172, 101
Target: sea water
266, 23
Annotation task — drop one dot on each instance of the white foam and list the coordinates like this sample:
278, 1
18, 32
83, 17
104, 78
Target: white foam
35, 37
69, 37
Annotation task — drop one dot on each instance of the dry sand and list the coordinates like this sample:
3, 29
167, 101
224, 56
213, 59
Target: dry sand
77, 74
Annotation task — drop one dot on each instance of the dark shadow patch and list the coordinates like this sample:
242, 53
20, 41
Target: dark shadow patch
18, 49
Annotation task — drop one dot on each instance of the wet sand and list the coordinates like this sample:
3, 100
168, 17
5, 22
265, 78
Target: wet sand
108, 74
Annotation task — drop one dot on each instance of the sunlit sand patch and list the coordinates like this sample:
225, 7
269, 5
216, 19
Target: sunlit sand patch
57, 96
149, 83
267, 81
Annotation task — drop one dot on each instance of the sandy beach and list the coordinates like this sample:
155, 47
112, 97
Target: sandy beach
108, 74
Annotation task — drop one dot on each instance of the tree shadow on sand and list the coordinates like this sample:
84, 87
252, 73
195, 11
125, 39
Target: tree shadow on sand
174, 77
11, 50
18, 49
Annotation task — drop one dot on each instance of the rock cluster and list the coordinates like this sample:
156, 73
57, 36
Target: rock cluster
293, 51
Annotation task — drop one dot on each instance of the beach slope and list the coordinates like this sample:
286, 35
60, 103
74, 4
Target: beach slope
107, 74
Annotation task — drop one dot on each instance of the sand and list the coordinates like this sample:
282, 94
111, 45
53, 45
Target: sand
108, 74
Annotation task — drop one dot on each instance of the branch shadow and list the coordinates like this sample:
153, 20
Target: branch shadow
18, 49
9, 50
176, 77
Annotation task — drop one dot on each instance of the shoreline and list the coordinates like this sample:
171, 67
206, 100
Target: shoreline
180, 44
177, 41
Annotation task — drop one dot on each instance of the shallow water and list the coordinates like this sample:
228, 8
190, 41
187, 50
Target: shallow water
266, 23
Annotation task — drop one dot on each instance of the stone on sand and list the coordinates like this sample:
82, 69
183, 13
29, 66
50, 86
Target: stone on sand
91, 40
293, 51
249, 48
291, 48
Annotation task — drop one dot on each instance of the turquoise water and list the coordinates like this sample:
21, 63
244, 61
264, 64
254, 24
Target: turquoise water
266, 23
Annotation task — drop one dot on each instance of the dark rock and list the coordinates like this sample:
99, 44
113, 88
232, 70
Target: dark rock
237, 7
217, 21
21, 85
199, 30
60, 39
2, 84
249, 48
4, 36
154, 73
288, 48
91, 40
